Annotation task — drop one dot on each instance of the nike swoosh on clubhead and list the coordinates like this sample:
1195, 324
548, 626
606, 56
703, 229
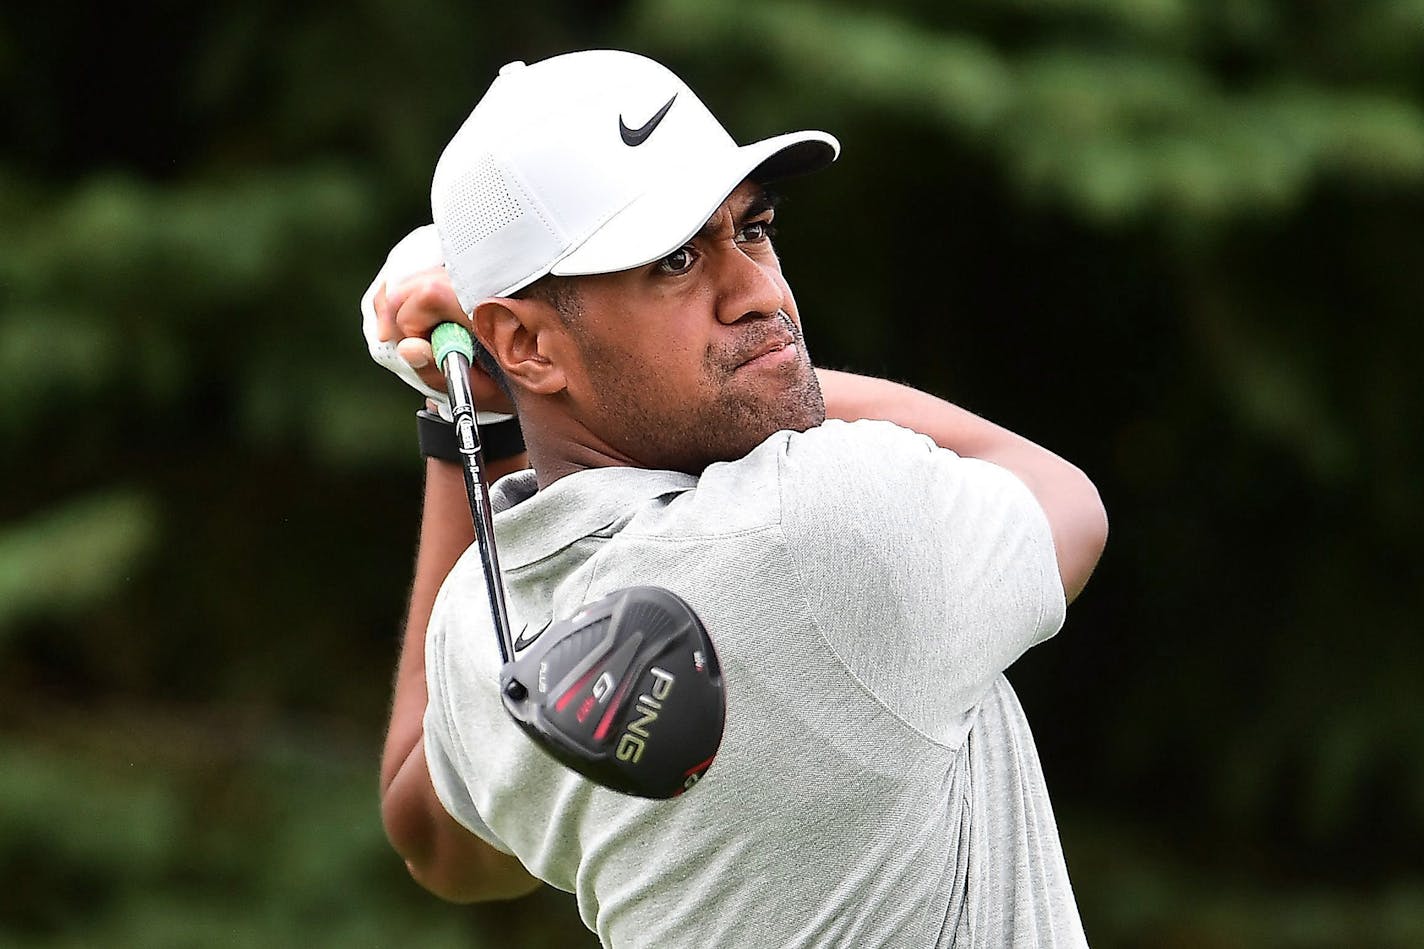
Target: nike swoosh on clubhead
635, 137
521, 642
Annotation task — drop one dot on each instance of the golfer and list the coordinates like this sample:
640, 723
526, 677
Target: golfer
867, 558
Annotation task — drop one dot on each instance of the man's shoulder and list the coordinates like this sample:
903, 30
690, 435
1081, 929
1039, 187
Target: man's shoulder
869, 464
835, 444
754, 494
890, 486
835, 470
753, 488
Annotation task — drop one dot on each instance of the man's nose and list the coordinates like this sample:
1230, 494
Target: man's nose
750, 288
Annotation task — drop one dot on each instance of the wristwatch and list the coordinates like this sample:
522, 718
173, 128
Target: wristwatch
498, 441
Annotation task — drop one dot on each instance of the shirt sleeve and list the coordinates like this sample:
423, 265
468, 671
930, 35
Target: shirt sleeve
441, 748
928, 573
454, 796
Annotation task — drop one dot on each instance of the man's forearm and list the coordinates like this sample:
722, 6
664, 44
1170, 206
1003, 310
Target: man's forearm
443, 856
1070, 501
445, 533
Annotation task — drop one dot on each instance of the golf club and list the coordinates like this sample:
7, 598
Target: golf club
628, 691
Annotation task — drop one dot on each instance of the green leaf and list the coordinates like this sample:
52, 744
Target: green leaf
66, 560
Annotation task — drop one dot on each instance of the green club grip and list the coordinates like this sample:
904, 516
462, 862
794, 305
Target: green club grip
451, 338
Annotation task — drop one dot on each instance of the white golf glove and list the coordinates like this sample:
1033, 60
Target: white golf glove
419, 250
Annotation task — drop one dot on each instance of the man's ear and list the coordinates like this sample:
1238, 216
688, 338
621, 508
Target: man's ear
527, 339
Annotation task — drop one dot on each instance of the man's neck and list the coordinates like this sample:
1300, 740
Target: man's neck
550, 465
560, 446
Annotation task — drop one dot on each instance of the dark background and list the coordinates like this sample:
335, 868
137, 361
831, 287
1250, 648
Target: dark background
1177, 241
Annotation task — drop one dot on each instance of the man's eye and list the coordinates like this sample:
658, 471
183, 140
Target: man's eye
757, 231
679, 261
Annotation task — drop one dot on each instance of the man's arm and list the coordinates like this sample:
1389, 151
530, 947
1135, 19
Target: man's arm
441, 855
1069, 500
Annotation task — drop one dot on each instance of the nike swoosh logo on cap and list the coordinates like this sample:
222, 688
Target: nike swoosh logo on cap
635, 137
521, 642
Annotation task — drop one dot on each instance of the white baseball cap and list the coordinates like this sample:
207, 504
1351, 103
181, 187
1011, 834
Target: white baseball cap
590, 162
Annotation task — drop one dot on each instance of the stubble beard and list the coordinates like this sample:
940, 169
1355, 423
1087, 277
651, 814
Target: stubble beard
741, 410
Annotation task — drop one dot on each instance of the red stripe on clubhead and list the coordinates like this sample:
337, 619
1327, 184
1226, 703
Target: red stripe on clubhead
697, 768
607, 718
568, 696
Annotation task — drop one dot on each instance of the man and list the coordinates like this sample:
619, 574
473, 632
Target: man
868, 559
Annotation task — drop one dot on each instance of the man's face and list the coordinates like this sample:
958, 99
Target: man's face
698, 357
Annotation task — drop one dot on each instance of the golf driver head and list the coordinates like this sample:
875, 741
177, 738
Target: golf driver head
628, 692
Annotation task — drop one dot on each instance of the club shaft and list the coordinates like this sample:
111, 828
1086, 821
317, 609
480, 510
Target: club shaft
467, 435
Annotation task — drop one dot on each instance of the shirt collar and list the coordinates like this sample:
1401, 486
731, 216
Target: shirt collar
531, 524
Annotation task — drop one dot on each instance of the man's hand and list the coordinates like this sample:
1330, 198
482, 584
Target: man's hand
410, 297
408, 313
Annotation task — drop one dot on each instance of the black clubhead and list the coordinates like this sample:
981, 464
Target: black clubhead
627, 692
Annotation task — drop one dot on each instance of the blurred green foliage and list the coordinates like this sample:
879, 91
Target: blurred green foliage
1176, 241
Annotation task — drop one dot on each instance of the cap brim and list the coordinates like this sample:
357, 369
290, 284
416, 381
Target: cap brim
669, 213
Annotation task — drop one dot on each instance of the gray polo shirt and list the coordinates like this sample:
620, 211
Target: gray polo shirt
877, 784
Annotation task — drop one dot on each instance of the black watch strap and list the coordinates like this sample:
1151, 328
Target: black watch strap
498, 441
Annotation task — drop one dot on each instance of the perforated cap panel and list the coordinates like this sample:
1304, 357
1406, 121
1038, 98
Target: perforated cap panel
480, 205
